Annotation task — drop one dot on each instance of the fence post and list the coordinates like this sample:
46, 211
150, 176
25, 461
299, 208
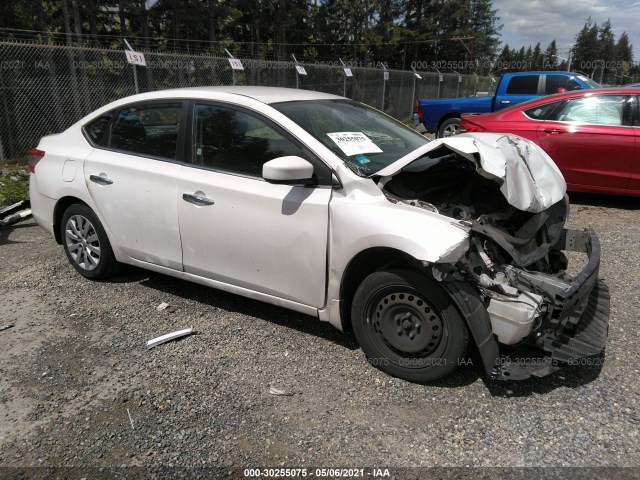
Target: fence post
297, 79
135, 74
344, 79
385, 77
417, 76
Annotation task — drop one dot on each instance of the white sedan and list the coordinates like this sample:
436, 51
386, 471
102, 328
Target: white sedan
328, 207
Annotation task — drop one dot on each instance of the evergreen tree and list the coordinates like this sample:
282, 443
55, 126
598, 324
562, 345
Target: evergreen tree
551, 56
623, 59
585, 48
606, 53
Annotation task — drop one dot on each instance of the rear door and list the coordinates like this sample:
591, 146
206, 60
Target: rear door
519, 89
592, 141
132, 178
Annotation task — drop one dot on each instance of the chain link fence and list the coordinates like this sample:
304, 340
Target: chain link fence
46, 88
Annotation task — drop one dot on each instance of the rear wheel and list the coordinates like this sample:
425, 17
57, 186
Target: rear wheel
449, 127
408, 326
86, 244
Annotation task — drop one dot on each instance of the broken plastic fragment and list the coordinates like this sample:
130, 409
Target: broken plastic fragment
169, 336
162, 306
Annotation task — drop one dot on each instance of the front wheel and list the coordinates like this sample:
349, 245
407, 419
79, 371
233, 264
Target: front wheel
86, 243
449, 127
407, 326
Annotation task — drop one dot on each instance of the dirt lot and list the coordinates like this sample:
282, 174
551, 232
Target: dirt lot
78, 387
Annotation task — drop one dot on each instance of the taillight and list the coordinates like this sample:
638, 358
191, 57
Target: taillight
420, 113
471, 127
33, 157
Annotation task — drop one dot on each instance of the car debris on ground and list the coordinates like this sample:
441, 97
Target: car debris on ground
15, 213
168, 337
279, 392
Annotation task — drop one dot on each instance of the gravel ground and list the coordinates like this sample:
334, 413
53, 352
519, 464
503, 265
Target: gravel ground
79, 388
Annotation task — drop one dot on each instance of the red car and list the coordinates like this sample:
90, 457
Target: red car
592, 135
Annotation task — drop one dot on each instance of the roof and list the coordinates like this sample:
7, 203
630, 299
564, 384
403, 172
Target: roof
542, 72
591, 91
262, 94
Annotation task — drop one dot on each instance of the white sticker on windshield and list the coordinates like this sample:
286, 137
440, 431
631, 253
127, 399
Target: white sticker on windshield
354, 143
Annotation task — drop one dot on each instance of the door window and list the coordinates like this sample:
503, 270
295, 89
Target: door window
613, 110
234, 141
555, 82
523, 85
150, 130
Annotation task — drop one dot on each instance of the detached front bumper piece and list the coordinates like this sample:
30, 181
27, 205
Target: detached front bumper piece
582, 312
579, 322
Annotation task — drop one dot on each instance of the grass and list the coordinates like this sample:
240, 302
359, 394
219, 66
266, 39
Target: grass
14, 181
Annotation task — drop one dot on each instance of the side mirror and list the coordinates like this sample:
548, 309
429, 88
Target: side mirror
287, 170
561, 90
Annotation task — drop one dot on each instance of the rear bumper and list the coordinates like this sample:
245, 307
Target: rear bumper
42, 207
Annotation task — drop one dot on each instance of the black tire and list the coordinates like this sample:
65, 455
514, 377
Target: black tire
389, 307
449, 127
86, 243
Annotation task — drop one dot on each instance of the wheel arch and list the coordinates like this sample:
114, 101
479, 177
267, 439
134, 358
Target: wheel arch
58, 212
446, 117
360, 267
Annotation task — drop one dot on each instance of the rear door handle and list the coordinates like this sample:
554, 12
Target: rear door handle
197, 199
101, 179
552, 131
505, 102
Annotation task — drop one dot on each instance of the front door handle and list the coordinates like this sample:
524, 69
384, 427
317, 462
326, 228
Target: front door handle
197, 199
552, 131
101, 179
505, 102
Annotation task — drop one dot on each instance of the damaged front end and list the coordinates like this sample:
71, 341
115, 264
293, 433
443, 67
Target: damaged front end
511, 284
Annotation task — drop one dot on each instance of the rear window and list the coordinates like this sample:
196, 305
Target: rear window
98, 130
523, 85
541, 112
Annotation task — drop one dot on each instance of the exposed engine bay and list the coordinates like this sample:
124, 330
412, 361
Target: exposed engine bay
515, 258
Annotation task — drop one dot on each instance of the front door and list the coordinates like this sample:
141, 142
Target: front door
592, 141
239, 229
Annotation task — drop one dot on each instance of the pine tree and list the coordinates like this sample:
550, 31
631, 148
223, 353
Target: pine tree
537, 57
606, 52
623, 59
586, 48
551, 56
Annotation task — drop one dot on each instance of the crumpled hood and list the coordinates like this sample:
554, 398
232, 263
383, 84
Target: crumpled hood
528, 177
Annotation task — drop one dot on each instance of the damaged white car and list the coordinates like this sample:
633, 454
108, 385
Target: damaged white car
328, 207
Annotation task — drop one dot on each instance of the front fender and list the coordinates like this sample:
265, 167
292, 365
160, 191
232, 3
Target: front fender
362, 220
426, 236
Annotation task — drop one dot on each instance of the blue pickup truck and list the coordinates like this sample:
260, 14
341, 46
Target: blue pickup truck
442, 116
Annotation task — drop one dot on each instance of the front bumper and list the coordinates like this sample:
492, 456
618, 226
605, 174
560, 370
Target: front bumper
579, 321
581, 315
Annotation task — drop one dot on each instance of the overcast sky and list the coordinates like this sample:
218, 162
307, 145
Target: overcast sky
527, 22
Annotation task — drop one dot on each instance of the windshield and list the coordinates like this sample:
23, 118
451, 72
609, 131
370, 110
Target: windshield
364, 138
589, 82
